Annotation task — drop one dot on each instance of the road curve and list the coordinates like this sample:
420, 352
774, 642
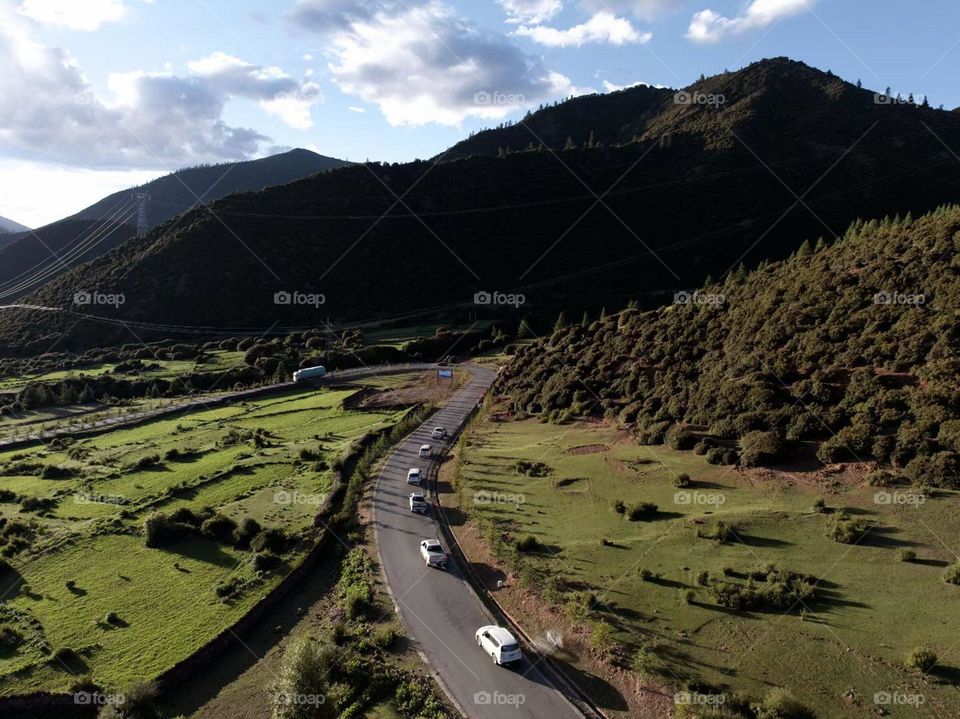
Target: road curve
439, 607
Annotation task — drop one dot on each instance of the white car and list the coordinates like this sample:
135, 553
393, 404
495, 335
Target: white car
413, 476
438, 433
432, 552
425, 450
418, 503
499, 644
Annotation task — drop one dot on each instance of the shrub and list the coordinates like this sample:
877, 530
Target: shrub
702, 447
619, 507
760, 448
952, 575
654, 433
602, 636
715, 455
265, 561
820, 505
138, 703
271, 540
846, 530
646, 575
780, 704
679, 438
245, 532
681, 480
51, 471
529, 543
906, 555
161, 529
384, 637
10, 639
703, 578
921, 659
641, 511
219, 527
357, 599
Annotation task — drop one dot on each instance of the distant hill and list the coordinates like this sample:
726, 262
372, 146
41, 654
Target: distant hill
849, 350
10, 230
694, 190
30, 259
181, 190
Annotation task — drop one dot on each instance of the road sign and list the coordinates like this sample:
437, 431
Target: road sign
445, 373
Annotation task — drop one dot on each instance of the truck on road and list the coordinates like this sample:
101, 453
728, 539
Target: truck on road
308, 373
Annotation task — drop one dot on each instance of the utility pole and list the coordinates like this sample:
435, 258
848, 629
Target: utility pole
142, 199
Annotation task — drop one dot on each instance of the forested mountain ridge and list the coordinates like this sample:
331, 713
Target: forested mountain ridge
850, 350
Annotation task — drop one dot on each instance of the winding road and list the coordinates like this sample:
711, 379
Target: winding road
439, 607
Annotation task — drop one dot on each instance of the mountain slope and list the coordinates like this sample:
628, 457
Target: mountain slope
9, 226
850, 348
30, 259
792, 153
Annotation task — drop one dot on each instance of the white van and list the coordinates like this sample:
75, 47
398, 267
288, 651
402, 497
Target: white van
413, 476
425, 450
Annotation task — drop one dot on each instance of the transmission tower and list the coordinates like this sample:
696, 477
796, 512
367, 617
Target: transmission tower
142, 199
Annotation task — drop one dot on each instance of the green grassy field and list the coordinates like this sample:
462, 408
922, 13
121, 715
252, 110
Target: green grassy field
846, 645
218, 361
87, 558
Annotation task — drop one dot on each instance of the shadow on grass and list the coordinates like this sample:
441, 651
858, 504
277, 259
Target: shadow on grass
600, 690
202, 551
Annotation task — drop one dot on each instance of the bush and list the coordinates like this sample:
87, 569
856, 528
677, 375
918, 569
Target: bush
161, 529
641, 511
654, 433
921, 659
384, 637
715, 455
619, 507
679, 438
906, 555
219, 527
602, 636
357, 599
702, 447
952, 575
761, 448
845, 530
682, 480
271, 540
780, 704
820, 505
138, 703
245, 532
51, 471
528, 543
10, 639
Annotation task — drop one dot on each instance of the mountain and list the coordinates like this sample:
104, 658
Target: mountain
9, 226
697, 189
847, 349
181, 190
29, 259
9, 231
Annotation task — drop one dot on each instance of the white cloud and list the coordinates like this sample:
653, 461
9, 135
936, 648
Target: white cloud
424, 64
640, 9
50, 112
85, 15
601, 28
354, 108
708, 26
530, 12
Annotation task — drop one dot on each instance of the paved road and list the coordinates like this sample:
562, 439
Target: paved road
439, 607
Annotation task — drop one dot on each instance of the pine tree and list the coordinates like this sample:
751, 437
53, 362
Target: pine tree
603, 313
523, 331
859, 84
560, 323
585, 320
805, 249
571, 145
633, 305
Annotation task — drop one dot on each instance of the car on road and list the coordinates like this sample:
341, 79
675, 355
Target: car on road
418, 503
432, 552
425, 450
500, 644
438, 433
413, 475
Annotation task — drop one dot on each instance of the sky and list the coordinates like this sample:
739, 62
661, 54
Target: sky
99, 95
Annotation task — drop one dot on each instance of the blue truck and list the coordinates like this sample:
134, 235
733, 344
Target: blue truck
308, 373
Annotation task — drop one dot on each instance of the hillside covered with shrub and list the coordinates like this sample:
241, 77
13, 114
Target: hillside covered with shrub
847, 350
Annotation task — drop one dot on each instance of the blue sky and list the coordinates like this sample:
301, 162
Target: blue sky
96, 95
